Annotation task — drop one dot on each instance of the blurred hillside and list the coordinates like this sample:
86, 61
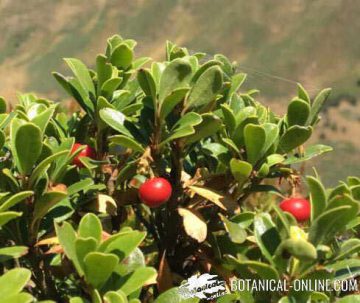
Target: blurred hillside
278, 43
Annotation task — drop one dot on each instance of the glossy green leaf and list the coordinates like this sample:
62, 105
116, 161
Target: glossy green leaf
104, 70
236, 233
298, 248
83, 246
115, 120
317, 197
114, 297
298, 112
317, 105
173, 296
90, 226
294, 137
28, 145
2, 105
267, 236
302, 93
67, 237
41, 168
209, 126
81, 72
46, 202
206, 88
348, 248
147, 83
329, 222
8, 253
255, 137
42, 120
241, 170
229, 118
109, 86
349, 299
15, 199
177, 74
170, 102
13, 281
309, 153
123, 244
127, 142
5, 217
122, 56
98, 267
138, 278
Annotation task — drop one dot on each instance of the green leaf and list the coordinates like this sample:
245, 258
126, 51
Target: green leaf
147, 83
229, 118
329, 222
298, 248
123, 244
298, 112
241, 170
309, 153
122, 56
13, 281
236, 233
7, 216
42, 120
349, 299
15, 199
317, 105
138, 278
255, 137
67, 237
127, 142
45, 202
114, 297
348, 248
28, 145
303, 94
266, 235
19, 298
173, 296
184, 127
81, 72
177, 74
104, 70
83, 246
271, 135
317, 197
41, 168
236, 81
2, 139
98, 267
205, 88
139, 62
90, 226
170, 102
209, 126
109, 86
263, 270
115, 120
2, 105
345, 269
274, 159
294, 137
8, 253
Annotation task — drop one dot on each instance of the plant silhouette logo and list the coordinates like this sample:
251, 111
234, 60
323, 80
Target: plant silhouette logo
205, 286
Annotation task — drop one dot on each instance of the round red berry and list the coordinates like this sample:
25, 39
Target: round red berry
86, 152
155, 191
299, 207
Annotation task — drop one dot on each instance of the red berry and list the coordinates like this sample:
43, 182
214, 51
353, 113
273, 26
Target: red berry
86, 152
300, 208
155, 191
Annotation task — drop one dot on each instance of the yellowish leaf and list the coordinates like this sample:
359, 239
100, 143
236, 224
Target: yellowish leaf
194, 224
